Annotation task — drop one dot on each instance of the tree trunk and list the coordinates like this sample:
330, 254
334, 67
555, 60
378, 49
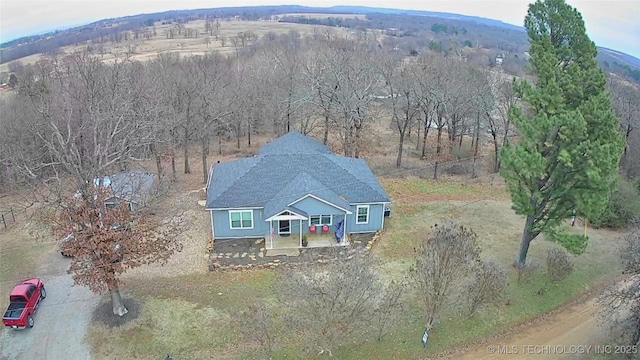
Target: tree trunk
174, 171
460, 141
187, 168
418, 136
156, 156
238, 138
326, 130
205, 153
504, 141
357, 143
438, 150
527, 236
400, 145
496, 152
424, 141
220, 145
289, 115
476, 140
117, 303
249, 134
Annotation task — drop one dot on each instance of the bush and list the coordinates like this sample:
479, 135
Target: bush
623, 206
487, 286
558, 265
525, 273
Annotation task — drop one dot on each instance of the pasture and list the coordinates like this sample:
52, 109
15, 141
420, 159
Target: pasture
143, 49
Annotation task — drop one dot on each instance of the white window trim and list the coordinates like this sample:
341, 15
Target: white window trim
358, 214
231, 227
320, 216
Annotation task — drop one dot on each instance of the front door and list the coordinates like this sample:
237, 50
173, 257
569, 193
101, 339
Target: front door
284, 227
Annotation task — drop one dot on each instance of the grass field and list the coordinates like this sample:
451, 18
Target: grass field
145, 49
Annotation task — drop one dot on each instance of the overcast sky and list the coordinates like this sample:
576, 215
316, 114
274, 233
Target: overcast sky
614, 24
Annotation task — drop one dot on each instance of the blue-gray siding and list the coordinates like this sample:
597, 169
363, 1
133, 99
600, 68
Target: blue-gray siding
261, 228
313, 206
222, 229
375, 219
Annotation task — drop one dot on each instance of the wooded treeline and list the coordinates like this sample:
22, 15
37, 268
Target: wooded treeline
80, 116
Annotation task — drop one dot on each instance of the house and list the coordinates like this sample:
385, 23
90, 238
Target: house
133, 186
294, 186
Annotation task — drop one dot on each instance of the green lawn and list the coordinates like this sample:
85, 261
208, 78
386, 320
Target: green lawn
189, 316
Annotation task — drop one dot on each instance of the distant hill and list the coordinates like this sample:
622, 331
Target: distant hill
436, 30
443, 15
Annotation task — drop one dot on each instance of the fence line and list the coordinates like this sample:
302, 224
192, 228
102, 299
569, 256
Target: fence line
5, 216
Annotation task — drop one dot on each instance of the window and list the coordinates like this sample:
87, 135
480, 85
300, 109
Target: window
241, 219
320, 220
362, 214
30, 291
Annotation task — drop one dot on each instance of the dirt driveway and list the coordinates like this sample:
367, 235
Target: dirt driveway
61, 320
560, 336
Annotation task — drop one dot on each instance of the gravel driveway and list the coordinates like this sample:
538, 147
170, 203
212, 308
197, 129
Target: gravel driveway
60, 322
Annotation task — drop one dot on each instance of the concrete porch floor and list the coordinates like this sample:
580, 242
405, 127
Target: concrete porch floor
293, 241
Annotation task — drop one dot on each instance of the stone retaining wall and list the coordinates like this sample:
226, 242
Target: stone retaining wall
249, 254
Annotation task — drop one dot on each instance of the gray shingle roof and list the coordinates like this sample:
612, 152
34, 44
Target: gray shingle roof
293, 143
287, 169
131, 185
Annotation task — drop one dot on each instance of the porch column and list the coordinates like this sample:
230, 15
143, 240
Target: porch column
271, 233
300, 232
344, 228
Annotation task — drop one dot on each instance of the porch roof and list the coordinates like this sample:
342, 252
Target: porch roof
297, 214
299, 188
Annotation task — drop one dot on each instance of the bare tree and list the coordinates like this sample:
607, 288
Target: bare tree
85, 124
105, 242
404, 107
257, 325
506, 99
443, 260
320, 87
626, 104
620, 303
329, 304
357, 82
391, 308
213, 105
487, 285
483, 103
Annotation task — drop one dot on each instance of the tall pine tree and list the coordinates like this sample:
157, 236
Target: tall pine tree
569, 145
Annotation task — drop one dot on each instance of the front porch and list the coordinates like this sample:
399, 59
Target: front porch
314, 240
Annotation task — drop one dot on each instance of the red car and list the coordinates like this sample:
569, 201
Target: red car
23, 303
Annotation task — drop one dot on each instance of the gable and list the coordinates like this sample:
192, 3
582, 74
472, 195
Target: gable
316, 206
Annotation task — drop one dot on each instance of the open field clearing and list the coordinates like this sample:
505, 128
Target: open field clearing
326, 16
144, 49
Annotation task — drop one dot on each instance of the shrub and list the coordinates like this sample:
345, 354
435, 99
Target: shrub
558, 265
525, 273
623, 206
487, 286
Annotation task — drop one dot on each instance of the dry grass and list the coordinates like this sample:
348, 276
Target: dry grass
326, 16
143, 49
